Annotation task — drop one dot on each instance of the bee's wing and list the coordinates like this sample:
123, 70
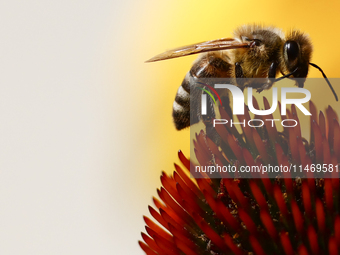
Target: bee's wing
214, 45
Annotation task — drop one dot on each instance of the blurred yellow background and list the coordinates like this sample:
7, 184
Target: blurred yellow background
86, 125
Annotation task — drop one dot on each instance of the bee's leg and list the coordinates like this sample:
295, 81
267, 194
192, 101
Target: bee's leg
272, 70
239, 75
208, 122
271, 76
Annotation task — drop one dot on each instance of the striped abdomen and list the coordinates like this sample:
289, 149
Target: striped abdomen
209, 65
181, 105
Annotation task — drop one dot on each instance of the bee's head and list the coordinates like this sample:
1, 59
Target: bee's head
297, 51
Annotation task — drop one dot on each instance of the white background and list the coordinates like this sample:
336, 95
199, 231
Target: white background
67, 185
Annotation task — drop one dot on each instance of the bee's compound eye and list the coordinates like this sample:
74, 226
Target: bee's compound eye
291, 48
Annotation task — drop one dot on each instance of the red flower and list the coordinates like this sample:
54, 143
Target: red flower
255, 215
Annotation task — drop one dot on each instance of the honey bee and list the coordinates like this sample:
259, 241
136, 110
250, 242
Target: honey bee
254, 52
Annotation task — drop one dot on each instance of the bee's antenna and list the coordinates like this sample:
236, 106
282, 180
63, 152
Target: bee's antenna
324, 76
286, 75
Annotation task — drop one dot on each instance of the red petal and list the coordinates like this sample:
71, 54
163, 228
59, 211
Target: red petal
184, 160
247, 220
183, 246
332, 247
298, 219
152, 244
307, 202
268, 223
320, 215
313, 240
256, 246
228, 240
286, 244
147, 249
303, 250
258, 195
280, 201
